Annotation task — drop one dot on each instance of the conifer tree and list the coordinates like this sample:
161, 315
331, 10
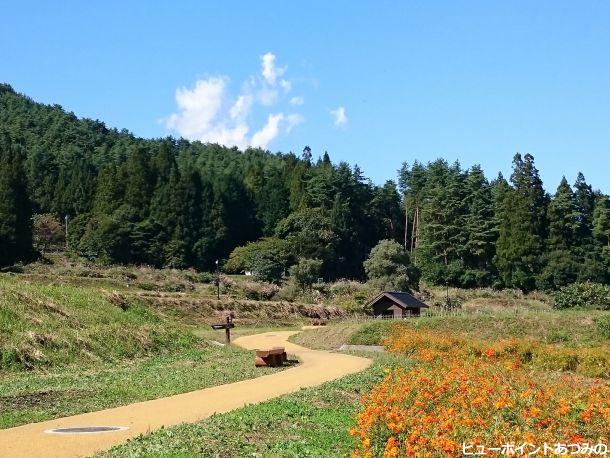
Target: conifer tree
522, 226
564, 217
412, 184
585, 200
41, 171
272, 201
443, 235
109, 191
15, 206
601, 220
76, 187
564, 226
181, 203
386, 211
139, 181
481, 232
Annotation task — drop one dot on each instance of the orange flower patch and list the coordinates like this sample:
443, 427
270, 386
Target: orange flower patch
461, 392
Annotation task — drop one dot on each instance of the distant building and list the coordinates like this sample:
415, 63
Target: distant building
395, 304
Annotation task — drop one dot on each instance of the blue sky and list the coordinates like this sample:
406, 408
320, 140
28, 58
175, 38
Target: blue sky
374, 83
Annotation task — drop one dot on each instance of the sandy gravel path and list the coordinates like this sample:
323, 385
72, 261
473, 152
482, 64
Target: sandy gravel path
316, 368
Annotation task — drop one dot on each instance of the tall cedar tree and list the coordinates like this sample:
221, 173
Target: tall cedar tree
522, 226
481, 231
15, 206
565, 221
585, 201
601, 220
440, 253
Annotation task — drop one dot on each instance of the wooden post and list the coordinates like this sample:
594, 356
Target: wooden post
228, 330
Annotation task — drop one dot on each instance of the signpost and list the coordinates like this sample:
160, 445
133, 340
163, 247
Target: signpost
227, 327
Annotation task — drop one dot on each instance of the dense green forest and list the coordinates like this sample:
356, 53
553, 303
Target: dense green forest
175, 203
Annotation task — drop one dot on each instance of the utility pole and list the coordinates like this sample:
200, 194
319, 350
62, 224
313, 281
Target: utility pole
406, 222
66, 218
217, 280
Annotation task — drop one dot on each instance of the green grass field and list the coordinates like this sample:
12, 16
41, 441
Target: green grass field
315, 422
570, 328
35, 396
312, 422
74, 343
44, 326
68, 349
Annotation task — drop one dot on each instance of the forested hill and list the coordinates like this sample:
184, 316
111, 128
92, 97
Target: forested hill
168, 202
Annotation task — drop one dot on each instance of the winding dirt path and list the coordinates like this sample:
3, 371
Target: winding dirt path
316, 368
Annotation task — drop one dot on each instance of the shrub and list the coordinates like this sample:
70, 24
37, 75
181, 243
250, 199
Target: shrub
345, 287
175, 287
268, 258
603, 325
260, 291
583, 295
47, 232
437, 409
389, 267
591, 362
226, 283
205, 277
288, 292
146, 286
306, 272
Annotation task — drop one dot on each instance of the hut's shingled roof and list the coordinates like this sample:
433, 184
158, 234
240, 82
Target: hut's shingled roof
400, 298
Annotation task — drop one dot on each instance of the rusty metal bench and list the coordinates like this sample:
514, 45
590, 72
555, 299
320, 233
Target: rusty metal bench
274, 357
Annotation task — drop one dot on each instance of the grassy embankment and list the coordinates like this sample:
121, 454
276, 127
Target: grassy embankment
315, 421
67, 348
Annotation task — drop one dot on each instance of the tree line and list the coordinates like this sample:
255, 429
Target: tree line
468, 231
175, 203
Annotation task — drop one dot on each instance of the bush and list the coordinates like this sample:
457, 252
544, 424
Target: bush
289, 292
205, 277
47, 232
260, 291
226, 283
583, 295
306, 272
603, 325
345, 287
268, 258
389, 267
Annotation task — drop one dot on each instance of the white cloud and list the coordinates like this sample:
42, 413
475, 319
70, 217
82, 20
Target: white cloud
339, 116
293, 120
297, 101
264, 136
208, 113
269, 70
267, 96
241, 107
199, 111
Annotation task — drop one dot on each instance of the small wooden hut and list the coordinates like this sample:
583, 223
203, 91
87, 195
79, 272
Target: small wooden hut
395, 304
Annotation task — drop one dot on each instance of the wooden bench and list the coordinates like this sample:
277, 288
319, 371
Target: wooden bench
273, 357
